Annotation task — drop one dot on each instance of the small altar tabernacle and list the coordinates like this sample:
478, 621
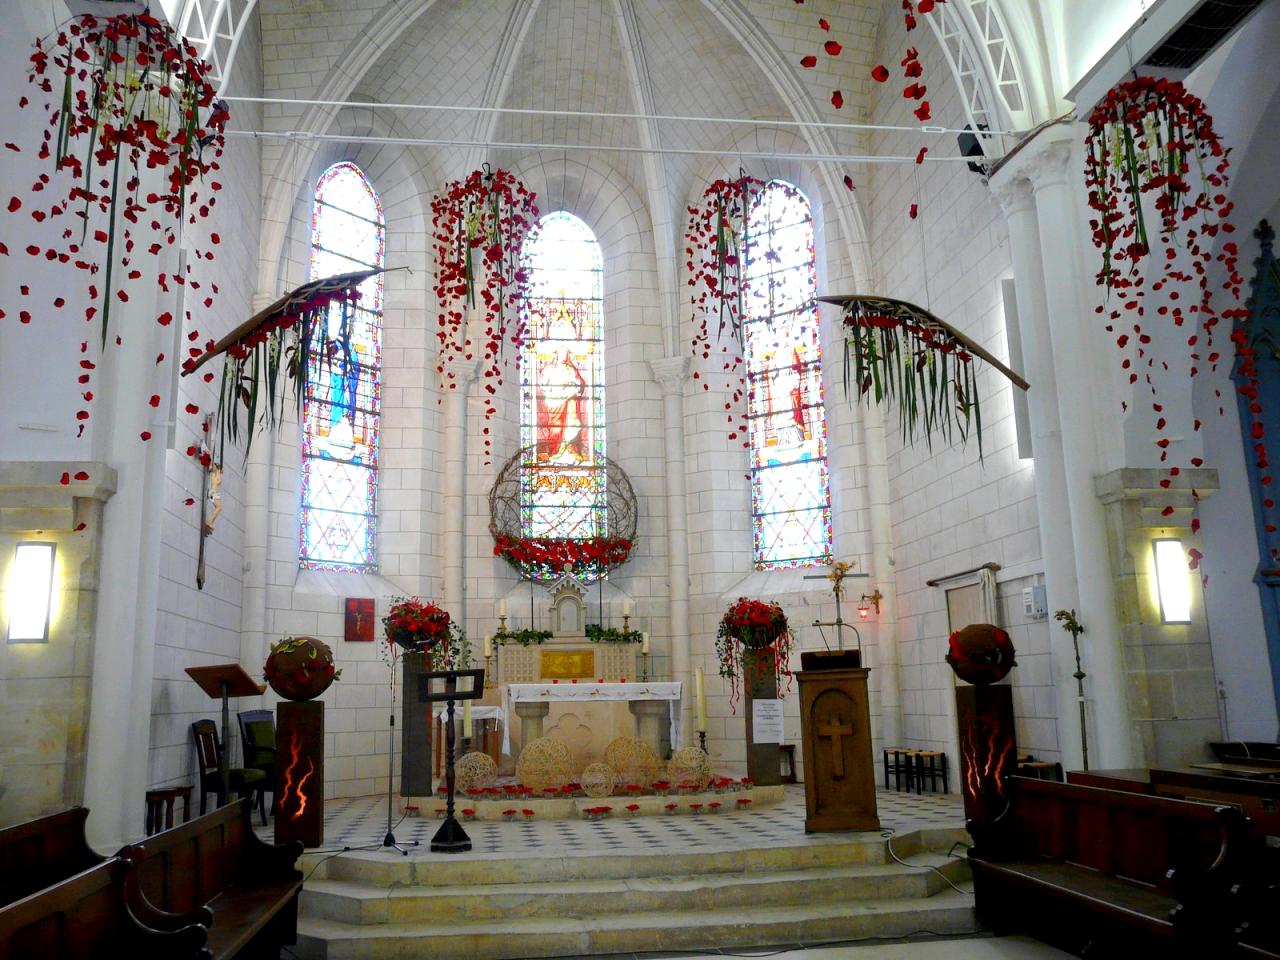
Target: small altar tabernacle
835, 729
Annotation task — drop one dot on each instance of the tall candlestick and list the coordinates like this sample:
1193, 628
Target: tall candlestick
488, 646
502, 607
466, 719
702, 701
644, 643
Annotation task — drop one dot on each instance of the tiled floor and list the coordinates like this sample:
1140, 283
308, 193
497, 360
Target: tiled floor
362, 821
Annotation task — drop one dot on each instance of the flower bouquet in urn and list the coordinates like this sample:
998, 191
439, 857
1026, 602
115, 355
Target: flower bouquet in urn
300, 668
753, 628
427, 629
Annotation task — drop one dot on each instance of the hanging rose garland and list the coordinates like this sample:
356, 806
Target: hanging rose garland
132, 96
479, 225
717, 240
754, 629
1152, 144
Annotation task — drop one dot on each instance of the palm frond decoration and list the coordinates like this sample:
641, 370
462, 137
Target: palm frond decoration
281, 339
903, 354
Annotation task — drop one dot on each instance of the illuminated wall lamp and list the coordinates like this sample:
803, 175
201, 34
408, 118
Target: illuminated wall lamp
867, 602
30, 591
1173, 581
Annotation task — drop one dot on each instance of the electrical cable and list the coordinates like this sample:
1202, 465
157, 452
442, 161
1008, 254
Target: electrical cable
888, 844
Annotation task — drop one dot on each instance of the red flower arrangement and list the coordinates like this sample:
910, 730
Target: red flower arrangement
758, 629
544, 559
478, 228
428, 630
1151, 138
130, 95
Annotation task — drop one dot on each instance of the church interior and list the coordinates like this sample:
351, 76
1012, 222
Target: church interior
495, 479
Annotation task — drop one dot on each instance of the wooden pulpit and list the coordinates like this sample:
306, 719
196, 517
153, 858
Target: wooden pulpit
835, 729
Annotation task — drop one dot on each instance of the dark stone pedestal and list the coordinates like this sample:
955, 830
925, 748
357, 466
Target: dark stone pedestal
764, 760
415, 731
299, 787
988, 749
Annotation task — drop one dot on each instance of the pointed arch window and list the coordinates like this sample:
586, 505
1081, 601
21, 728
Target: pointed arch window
340, 411
563, 480
790, 488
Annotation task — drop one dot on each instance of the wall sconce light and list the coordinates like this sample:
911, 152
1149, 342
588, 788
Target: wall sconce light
1173, 581
867, 602
30, 591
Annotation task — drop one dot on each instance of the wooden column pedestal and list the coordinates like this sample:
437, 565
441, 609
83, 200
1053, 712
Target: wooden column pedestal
988, 748
300, 772
759, 682
839, 773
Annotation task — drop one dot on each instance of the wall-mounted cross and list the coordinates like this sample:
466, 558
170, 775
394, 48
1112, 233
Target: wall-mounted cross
836, 731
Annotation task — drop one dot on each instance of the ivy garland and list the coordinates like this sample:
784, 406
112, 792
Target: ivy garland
598, 634
525, 638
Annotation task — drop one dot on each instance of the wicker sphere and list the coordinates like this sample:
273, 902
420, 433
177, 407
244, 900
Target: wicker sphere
544, 763
599, 780
690, 765
633, 760
475, 771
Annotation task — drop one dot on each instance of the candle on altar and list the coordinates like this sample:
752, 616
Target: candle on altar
626, 608
466, 718
502, 607
488, 646
644, 643
702, 701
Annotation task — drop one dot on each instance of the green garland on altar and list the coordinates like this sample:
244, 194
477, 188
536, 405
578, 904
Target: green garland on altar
598, 634
525, 638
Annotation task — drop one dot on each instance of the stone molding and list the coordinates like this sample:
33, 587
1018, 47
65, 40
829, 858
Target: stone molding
33, 496
670, 373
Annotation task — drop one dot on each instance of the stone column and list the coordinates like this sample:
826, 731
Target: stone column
1057, 190
1012, 188
454, 489
879, 498
531, 716
649, 714
671, 374
1168, 667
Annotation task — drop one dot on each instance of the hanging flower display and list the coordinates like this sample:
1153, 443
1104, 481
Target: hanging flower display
716, 242
756, 629
897, 351
551, 558
426, 629
1158, 178
478, 227
126, 96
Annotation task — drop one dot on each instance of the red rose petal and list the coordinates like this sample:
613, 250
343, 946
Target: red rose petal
920, 155
809, 61
81, 475
821, 22
880, 74
155, 400
79, 526
915, 210
848, 182
65, 479
833, 48
922, 111
837, 99
145, 435
14, 204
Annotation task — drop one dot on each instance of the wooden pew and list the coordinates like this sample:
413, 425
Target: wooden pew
217, 861
91, 916
41, 852
1110, 872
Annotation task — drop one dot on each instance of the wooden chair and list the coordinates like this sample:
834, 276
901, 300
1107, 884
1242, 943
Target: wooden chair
258, 743
41, 852
242, 782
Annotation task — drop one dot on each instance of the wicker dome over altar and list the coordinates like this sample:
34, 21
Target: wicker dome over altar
591, 530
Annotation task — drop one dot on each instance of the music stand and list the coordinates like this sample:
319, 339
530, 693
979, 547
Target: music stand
225, 680
451, 838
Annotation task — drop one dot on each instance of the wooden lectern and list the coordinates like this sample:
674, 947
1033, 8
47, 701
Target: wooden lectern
225, 680
835, 728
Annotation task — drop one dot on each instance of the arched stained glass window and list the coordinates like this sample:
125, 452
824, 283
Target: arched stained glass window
563, 481
790, 492
340, 406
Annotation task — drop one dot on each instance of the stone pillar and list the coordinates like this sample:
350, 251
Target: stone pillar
671, 374
1012, 188
1057, 189
649, 714
1168, 667
45, 687
454, 489
531, 716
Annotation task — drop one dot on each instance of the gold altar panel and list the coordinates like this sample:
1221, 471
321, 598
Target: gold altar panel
568, 665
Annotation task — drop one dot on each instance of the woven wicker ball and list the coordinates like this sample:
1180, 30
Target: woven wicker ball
633, 760
599, 780
690, 765
475, 771
544, 763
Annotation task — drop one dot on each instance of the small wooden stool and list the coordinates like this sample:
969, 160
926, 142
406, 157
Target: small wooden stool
788, 752
899, 766
931, 764
1041, 769
164, 798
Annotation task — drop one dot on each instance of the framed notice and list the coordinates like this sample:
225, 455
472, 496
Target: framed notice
359, 620
766, 721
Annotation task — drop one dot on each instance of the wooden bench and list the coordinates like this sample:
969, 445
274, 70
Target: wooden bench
1110, 872
218, 862
41, 852
95, 914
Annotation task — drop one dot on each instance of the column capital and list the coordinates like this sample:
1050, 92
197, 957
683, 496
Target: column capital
671, 373
262, 300
1013, 192
1043, 159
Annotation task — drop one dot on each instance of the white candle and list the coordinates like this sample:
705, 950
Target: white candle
644, 643
702, 701
488, 646
626, 608
502, 607
466, 718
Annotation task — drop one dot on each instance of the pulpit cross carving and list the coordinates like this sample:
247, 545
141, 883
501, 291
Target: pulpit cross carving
837, 731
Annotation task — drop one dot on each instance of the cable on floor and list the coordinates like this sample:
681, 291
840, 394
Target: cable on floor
888, 844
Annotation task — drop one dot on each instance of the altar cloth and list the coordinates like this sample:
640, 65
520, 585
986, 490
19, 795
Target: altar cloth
545, 692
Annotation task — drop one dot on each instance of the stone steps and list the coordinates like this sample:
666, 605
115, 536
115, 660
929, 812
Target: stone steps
372, 905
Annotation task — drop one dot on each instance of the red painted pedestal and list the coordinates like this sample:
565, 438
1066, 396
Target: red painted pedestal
300, 772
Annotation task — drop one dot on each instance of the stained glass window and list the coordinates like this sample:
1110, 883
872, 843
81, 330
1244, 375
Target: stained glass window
790, 493
563, 482
340, 405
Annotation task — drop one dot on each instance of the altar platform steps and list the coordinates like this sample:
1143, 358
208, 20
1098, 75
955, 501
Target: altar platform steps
370, 906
